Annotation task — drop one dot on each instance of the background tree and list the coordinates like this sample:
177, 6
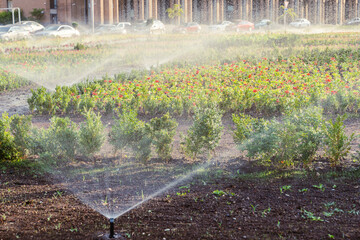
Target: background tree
37, 14
175, 12
290, 14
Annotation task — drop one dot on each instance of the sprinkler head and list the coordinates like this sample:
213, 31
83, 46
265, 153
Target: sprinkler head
112, 232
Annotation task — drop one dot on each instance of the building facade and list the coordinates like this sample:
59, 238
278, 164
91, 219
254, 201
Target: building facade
202, 11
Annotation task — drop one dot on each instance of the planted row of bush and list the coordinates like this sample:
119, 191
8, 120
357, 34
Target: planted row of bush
266, 87
292, 142
65, 141
9, 81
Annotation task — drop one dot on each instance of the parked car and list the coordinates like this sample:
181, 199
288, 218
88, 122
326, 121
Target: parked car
354, 21
241, 25
263, 24
191, 27
301, 22
219, 27
10, 32
58, 31
150, 26
104, 28
32, 26
123, 27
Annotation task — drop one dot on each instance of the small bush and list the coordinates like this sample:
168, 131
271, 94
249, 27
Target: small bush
75, 25
162, 131
91, 134
124, 129
20, 129
64, 136
337, 144
296, 139
8, 150
79, 46
142, 144
245, 125
205, 133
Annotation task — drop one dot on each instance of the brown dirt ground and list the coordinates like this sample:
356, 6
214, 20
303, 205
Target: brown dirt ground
32, 207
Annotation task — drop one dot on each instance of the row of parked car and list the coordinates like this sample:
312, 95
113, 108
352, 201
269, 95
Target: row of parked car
27, 29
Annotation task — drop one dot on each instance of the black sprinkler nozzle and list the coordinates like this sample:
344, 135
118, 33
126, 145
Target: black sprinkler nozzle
112, 232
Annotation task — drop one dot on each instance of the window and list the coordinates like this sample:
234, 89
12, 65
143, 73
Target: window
9, 4
53, 4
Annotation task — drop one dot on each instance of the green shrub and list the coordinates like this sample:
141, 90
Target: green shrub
79, 46
6, 17
91, 134
8, 150
205, 133
42, 101
20, 129
295, 139
162, 131
308, 124
245, 125
75, 25
123, 130
142, 144
64, 137
42, 145
337, 144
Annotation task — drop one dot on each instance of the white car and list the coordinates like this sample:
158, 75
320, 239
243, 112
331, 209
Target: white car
123, 27
150, 26
220, 27
32, 26
301, 22
11, 32
58, 31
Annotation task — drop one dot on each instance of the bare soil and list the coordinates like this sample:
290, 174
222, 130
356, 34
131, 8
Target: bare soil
32, 207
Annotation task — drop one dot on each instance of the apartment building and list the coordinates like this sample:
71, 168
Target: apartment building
202, 11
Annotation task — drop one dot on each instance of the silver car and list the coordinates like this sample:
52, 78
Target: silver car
58, 31
150, 26
32, 26
301, 22
123, 27
13, 33
220, 27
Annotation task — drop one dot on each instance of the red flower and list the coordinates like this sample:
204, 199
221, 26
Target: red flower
159, 89
346, 86
287, 91
156, 81
255, 90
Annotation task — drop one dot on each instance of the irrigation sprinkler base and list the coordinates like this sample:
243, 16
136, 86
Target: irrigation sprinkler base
105, 236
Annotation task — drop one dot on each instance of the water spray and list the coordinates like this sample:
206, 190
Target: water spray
112, 232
